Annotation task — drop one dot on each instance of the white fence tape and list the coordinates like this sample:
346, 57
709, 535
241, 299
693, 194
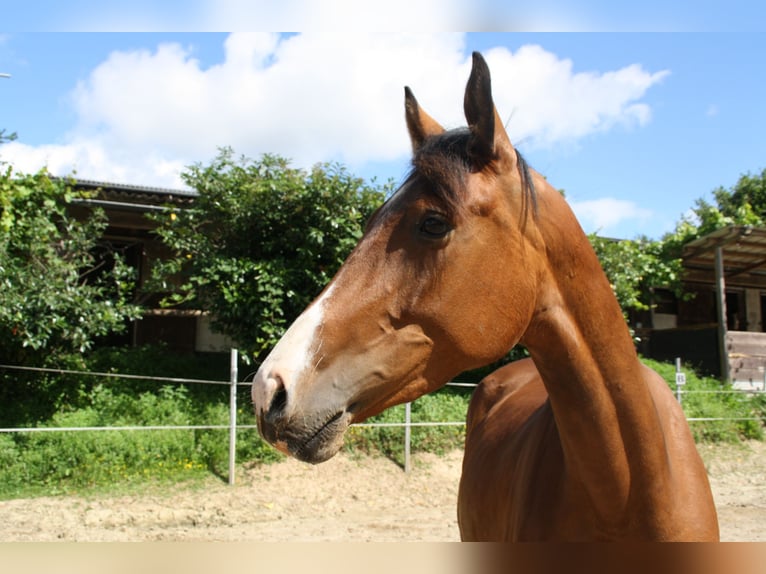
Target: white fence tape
407, 424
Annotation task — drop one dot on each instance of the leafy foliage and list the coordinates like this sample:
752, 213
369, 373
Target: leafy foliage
746, 200
743, 204
261, 240
634, 267
61, 462
54, 299
707, 398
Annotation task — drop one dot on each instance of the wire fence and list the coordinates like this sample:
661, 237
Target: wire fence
233, 426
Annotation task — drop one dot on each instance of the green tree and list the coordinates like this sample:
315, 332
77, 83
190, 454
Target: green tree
55, 298
747, 198
260, 241
706, 218
634, 267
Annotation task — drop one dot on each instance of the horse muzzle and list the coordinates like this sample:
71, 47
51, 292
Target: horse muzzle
313, 437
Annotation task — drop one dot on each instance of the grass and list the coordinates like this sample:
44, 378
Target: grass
701, 398
51, 463
66, 462
446, 405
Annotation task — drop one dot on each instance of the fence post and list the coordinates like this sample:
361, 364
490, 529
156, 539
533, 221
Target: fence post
233, 416
680, 379
407, 436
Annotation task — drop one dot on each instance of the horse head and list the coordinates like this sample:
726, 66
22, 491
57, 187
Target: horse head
443, 280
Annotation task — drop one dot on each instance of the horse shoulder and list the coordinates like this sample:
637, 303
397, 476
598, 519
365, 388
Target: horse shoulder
510, 436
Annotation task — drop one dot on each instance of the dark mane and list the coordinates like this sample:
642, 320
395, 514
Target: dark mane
444, 161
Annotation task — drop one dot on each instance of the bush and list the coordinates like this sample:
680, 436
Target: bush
705, 397
261, 240
52, 462
62, 462
445, 405
61, 286
213, 445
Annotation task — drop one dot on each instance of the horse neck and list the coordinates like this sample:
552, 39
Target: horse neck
581, 345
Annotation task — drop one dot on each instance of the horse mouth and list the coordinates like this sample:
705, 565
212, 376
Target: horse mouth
326, 441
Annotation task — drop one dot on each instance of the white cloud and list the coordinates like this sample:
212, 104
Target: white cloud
550, 103
92, 159
317, 97
605, 215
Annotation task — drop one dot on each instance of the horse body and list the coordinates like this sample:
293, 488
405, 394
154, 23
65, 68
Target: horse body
517, 484
473, 254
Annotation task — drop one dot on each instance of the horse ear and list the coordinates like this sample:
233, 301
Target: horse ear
419, 123
489, 138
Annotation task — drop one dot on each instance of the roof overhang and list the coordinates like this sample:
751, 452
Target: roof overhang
136, 198
743, 249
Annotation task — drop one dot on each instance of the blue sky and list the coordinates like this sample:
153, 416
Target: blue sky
633, 126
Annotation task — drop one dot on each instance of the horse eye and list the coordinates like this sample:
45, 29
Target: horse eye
434, 227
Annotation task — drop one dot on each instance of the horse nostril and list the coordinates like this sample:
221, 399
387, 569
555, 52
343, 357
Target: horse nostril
278, 401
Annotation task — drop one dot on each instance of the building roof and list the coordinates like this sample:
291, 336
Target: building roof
743, 249
134, 198
136, 193
126, 206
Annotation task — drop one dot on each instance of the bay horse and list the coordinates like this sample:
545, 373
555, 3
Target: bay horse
474, 253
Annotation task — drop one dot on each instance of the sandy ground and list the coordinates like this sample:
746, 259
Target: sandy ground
345, 499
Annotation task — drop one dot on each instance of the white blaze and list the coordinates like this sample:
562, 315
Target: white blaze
291, 356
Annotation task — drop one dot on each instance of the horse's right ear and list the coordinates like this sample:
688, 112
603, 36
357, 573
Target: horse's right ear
419, 123
489, 140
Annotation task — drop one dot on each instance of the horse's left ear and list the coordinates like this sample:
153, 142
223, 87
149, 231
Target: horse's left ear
489, 141
419, 123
